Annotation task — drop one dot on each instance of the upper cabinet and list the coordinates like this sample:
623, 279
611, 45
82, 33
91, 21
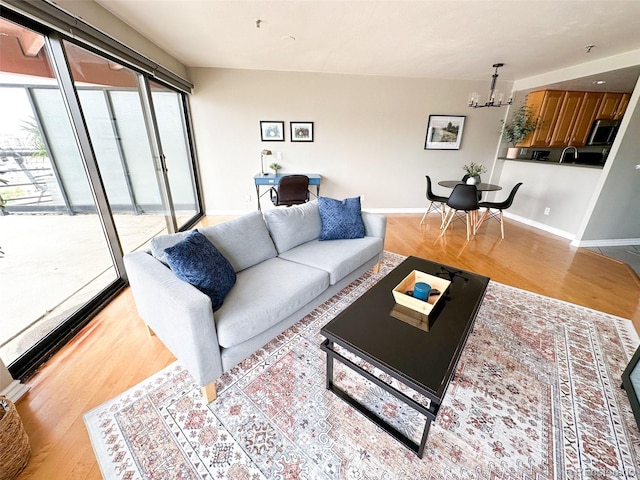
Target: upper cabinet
545, 105
563, 129
609, 106
622, 106
565, 117
584, 120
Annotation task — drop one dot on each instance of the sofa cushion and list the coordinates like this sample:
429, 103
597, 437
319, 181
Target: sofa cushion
196, 260
263, 296
244, 241
159, 243
340, 219
338, 258
293, 226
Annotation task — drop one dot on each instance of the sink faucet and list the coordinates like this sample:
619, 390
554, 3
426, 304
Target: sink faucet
565, 151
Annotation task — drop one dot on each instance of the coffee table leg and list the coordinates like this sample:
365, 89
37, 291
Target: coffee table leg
329, 379
430, 414
423, 442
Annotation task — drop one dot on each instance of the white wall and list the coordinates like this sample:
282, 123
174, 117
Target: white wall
97, 16
616, 211
5, 376
369, 133
564, 189
10, 388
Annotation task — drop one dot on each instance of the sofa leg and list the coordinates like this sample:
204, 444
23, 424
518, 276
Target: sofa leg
209, 392
151, 332
376, 267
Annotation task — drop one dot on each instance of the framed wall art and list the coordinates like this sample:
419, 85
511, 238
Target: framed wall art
271, 131
301, 131
444, 132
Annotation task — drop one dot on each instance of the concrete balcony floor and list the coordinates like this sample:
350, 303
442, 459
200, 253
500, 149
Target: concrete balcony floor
52, 264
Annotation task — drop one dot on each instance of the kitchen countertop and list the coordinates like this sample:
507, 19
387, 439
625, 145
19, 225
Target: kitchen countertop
553, 162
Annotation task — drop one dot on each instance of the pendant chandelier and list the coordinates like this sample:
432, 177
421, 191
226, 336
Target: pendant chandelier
495, 99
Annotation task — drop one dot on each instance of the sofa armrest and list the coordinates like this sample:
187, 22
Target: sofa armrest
179, 314
375, 225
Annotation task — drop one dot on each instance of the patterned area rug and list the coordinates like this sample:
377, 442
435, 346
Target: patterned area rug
536, 396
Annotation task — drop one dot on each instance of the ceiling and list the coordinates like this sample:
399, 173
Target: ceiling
419, 38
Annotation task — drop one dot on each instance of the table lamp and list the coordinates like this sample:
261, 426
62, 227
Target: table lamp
262, 154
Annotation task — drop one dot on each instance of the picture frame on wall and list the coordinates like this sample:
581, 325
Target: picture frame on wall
271, 131
301, 131
444, 132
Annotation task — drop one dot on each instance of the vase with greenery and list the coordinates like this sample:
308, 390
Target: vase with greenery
275, 167
518, 127
473, 171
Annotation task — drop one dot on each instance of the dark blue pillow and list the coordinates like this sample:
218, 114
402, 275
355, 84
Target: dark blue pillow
340, 219
196, 260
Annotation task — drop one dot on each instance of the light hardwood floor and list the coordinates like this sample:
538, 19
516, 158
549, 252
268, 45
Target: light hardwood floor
114, 352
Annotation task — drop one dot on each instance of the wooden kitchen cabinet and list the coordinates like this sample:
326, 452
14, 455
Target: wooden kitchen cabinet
584, 119
563, 128
622, 106
566, 117
609, 106
545, 106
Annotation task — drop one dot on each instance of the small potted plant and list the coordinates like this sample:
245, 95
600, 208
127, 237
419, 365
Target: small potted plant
473, 171
517, 128
275, 167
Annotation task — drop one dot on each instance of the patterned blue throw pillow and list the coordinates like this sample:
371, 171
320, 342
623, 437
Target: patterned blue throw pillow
196, 260
340, 219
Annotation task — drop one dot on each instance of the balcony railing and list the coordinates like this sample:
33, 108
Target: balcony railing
25, 181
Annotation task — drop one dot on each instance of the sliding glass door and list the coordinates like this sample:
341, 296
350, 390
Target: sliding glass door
174, 138
95, 160
112, 106
52, 262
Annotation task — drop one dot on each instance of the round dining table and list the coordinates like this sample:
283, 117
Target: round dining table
482, 187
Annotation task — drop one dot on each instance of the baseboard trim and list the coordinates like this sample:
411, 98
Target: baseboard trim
15, 391
532, 223
609, 242
540, 226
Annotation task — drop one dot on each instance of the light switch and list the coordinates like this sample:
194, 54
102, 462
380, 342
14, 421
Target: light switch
279, 155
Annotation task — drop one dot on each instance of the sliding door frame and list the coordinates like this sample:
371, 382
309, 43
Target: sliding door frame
58, 26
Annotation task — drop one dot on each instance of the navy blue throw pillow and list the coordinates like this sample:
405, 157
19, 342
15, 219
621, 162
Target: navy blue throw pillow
196, 260
340, 219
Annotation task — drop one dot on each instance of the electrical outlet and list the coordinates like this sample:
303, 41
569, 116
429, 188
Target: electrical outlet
279, 155
362, 198
547, 211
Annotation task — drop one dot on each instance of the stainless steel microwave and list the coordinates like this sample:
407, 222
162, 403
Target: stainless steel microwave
603, 132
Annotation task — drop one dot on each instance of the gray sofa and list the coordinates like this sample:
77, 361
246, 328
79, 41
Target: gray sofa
283, 272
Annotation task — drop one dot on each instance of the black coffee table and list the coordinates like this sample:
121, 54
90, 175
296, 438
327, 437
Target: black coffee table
423, 360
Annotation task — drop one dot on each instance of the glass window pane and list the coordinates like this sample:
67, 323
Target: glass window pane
54, 254
173, 136
131, 128
113, 111
62, 144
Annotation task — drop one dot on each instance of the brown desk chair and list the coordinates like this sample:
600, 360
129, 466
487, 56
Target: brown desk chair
500, 206
464, 198
291, 190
